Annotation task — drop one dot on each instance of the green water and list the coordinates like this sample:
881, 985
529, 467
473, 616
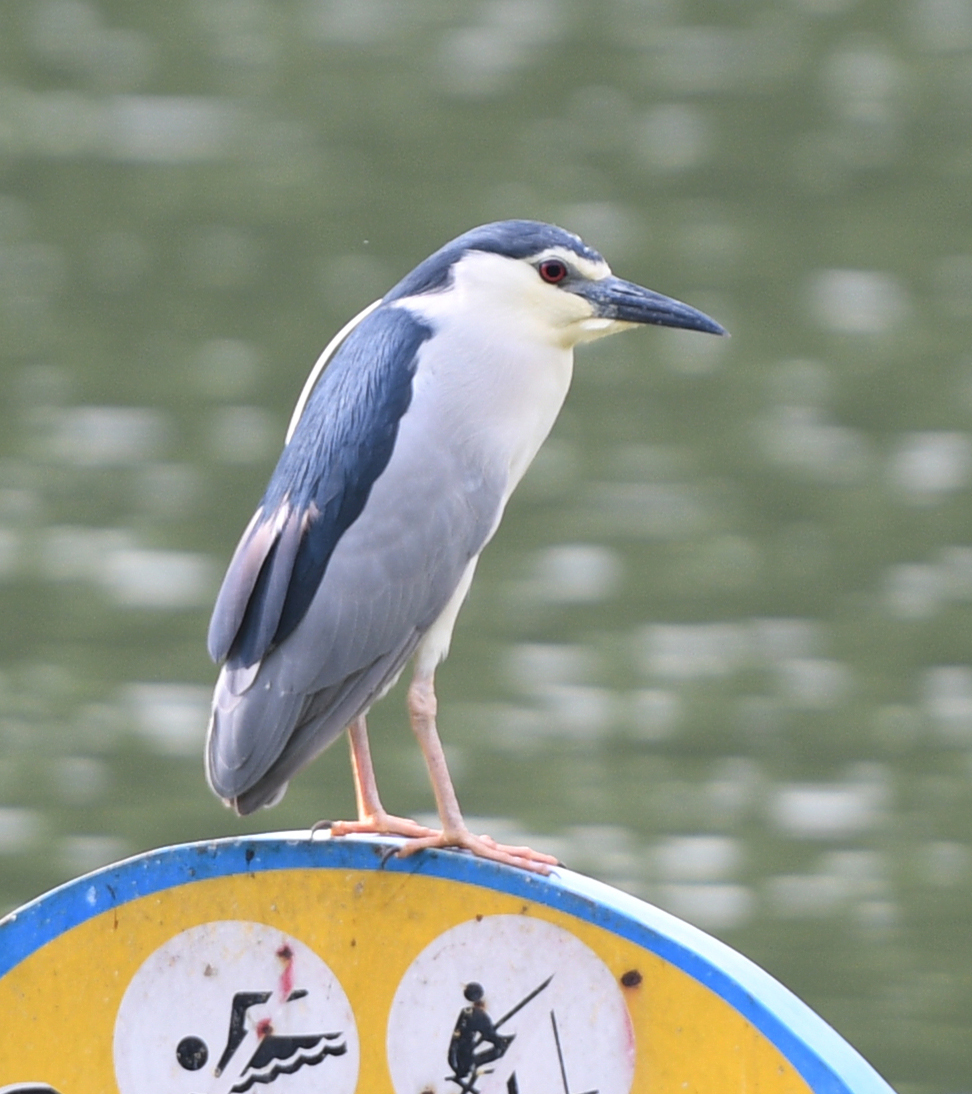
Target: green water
719, 653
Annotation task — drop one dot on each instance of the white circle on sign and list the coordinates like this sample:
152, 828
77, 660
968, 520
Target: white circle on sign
229, 1007
507, 1004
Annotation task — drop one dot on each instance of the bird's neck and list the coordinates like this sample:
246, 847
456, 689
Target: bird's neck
498, 383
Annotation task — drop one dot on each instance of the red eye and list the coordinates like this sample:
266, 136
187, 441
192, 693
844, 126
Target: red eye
553, 271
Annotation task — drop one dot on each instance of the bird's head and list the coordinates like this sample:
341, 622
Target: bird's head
524, 272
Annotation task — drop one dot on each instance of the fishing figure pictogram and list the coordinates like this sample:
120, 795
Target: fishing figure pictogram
474, 1028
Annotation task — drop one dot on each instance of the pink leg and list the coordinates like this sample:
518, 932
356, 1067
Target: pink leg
371, 813
422, 709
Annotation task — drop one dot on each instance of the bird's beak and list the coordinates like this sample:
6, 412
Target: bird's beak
625, 302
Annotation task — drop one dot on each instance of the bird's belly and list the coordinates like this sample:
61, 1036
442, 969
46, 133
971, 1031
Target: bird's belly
434, 647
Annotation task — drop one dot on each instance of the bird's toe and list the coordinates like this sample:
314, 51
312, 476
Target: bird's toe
379, 824
522, 852
524, 858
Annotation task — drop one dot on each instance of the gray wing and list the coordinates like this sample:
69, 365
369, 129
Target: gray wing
388, 579
336, 450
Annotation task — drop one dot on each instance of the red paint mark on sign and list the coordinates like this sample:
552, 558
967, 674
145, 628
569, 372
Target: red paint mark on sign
286, 955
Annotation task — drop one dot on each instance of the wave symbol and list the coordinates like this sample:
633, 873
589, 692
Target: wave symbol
278, 1056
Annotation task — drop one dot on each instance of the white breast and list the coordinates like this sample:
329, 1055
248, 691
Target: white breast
495, 373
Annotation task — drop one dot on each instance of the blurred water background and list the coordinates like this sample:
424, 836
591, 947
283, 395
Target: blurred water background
719, 653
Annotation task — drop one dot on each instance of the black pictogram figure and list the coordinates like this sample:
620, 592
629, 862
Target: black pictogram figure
474, 1028
242, 1001
275, 1054
28, 1088
191, 1052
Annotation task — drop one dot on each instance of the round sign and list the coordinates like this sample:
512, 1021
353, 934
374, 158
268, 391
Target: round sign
228, 1006
511, 1003
282, 964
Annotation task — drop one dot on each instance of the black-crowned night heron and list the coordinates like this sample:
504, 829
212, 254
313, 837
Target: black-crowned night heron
400, 458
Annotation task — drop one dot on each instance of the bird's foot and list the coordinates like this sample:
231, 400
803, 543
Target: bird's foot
484, 847
377, 824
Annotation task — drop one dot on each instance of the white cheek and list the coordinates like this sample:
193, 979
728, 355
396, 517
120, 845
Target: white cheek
598, 327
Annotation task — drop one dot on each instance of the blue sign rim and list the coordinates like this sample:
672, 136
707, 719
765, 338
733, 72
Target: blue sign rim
827, 1063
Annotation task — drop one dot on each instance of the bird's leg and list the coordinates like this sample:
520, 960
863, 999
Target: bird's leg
371, 813
422, 710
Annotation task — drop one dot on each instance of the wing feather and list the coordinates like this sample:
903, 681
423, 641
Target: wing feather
340, 445
241, 576
297, 728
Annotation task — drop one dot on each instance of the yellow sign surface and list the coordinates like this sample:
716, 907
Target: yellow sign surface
211, 985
